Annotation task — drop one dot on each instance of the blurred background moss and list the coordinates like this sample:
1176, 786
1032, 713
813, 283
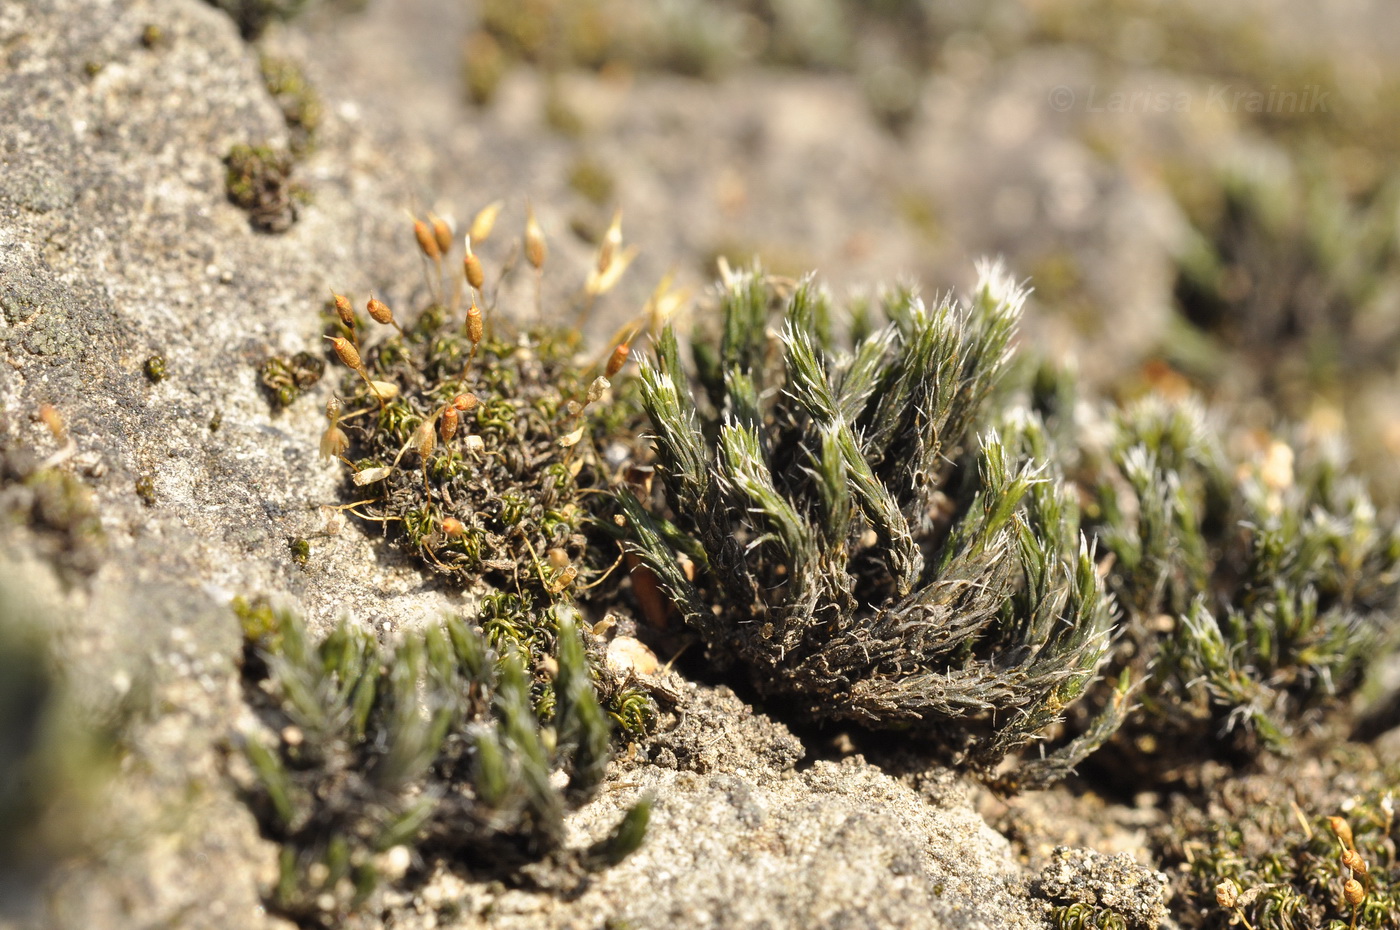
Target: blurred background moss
1255, 143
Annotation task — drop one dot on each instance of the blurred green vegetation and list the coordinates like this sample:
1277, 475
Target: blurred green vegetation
55, 755
1286, 284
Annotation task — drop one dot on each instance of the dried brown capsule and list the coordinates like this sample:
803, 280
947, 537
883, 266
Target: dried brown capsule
427, 242
1342, 830
617, 359
370, 475
534, 240
1351, 859
380, 311
1227, 893
347, 353
447, 426
453, 528
425, 439
344, 310
442, 232
51, 418
1354, 892
471, 266
475, 330
465, 402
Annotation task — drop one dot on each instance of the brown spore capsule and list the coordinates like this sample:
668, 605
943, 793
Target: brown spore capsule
425, 440
612, 240
442, 232
380, 311
475, 329
344, 310
427, 242
471, 267
347, 353
617, 359
465, 402
1342, 830
447, 426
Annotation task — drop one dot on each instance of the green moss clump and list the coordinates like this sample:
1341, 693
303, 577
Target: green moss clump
593, 181
285, 378
156, 369
515, 492
888, 47
146, 489
1082, 916
300, 104
1256, 587
57, 507
254, 16
1291, 272
849, 508
153, 36
439, 745
874, 558
258, 179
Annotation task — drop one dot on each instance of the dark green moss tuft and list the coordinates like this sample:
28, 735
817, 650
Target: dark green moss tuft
435, 750
146, 489
57, 751
254, 16
285, 378
155, 369
153, 36
258, 179
874, 559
